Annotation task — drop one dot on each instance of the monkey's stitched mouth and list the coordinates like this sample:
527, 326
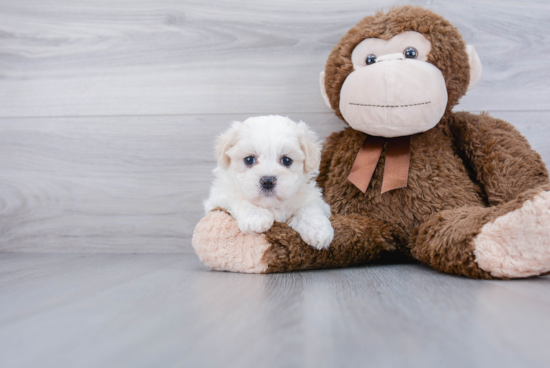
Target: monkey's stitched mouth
372, 105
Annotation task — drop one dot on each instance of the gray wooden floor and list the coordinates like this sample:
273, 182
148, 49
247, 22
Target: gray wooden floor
116, 310
108, 111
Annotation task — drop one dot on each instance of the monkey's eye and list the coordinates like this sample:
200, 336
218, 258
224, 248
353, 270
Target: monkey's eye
410, 53
371, 59
250, 160
287, 161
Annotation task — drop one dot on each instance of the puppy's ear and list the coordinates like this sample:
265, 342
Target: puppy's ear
224, 142
310, 146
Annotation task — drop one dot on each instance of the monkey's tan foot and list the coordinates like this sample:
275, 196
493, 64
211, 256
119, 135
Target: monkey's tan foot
517, 244
222, 246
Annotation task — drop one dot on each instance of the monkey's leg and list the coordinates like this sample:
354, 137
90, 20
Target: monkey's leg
221, 246
511, 240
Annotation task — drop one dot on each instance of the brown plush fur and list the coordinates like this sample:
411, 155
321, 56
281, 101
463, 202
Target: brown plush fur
465, 172
357, 240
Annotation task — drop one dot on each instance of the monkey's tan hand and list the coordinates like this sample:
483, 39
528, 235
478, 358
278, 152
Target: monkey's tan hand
222, 246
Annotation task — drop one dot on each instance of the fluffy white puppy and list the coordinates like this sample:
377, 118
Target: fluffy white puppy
266, 172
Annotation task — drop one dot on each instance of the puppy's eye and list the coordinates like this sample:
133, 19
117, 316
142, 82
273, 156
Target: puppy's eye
410, 53
250, 160
371, 59
287, 161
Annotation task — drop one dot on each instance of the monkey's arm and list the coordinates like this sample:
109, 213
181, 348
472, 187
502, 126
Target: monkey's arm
220, 245
499, 156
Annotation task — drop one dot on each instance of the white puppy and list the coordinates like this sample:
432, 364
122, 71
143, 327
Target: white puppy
266, 172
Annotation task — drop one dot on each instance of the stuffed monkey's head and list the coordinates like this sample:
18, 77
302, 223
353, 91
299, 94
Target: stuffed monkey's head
398, 73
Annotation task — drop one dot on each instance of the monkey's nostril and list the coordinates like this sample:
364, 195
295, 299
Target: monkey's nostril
268, 182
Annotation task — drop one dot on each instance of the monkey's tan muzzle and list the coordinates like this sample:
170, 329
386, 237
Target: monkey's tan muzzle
394, 97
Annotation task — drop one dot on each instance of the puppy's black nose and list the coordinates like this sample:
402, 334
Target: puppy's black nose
268, 182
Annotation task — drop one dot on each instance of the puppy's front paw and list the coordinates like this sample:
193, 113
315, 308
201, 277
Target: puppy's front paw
315, 231
255, 221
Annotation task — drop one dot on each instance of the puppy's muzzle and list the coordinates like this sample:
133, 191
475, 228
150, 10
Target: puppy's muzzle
268, 182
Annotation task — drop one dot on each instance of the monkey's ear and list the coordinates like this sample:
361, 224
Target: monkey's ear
310, 146
323, 90
475, 66
224, 142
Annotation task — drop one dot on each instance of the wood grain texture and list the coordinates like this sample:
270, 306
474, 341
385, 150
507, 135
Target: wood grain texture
109, 109
121, 184
127, 184
170, 311
116, 57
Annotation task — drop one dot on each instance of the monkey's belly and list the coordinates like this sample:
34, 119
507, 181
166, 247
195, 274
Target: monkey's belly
438, 180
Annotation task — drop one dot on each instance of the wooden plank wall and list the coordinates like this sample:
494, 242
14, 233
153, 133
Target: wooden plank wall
108, 109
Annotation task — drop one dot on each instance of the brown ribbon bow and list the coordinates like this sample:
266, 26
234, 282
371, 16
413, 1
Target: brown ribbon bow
396, 168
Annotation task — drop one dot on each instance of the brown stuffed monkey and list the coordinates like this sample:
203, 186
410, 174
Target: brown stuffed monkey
462, 193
